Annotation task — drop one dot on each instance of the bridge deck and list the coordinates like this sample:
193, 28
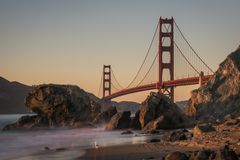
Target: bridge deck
174, 83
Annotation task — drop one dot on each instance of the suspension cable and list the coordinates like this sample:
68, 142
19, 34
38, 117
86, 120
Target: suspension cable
186, 58
121, 87
182, 52
167, 28
115, 86
148, 51
100, 86
192, 48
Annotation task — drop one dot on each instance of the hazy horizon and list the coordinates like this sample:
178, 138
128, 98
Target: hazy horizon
67, 42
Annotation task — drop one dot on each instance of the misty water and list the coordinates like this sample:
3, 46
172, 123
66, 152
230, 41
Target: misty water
31, 144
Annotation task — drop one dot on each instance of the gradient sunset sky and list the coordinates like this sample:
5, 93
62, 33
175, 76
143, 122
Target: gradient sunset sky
68, 41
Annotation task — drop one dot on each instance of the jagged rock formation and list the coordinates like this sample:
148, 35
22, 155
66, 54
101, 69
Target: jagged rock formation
135, 123
160, 113
221, 95
105, 116
119, 121
58, 106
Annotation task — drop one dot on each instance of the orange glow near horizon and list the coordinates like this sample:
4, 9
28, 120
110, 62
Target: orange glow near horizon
68, 42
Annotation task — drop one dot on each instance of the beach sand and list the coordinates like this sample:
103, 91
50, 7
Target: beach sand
143, 151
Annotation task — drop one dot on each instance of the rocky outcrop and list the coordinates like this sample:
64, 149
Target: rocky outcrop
161, 113
29, 122
105, 116
58, 106
176, 156
221, 95
224, 153
135, 123
202, 128
119, 121
180, 135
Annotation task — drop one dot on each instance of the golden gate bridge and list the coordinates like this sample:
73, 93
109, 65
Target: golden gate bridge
170, 61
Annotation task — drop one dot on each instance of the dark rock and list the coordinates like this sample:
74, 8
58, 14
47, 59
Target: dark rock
135, 123
60, 149
154, 140
57, 106
231, 122
228, 117
203, 155
152, 125
161, 112
180, 135
176, 156
221, 95
46, 148
226, 154
105, 116
28, 122
119, 121
58, 101
148, 158
202, 128
127, 132
153, 132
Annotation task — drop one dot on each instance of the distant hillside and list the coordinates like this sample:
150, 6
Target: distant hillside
12, 96
127, 106
121, 106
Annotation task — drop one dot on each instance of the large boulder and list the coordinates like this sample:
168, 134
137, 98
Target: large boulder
58, 106
105, 116
135, 123
180, 135
176, 156
158, 105
226, 153
28, 122
119, 121
221, 94
202, 128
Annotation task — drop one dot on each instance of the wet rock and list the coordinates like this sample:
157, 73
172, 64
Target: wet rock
203, 155
104, 117
158, 105
202, 128
119, 121
180, 135
152, 125
135, 123
176, 156
221, 95
60, 149
127, 132
57, 106
46, 148
226, 154
154, 140
28, 122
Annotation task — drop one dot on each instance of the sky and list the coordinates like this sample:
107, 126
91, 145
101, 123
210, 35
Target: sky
68, 41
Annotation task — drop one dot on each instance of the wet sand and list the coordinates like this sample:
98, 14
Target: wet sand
155, 150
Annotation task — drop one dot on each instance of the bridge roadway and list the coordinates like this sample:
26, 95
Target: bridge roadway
166, 84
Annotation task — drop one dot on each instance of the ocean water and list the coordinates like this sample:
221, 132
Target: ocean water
63, 143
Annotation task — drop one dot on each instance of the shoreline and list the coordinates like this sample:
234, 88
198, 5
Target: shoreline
156, 150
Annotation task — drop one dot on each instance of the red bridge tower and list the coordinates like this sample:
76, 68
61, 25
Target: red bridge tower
166, 34
106, 80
